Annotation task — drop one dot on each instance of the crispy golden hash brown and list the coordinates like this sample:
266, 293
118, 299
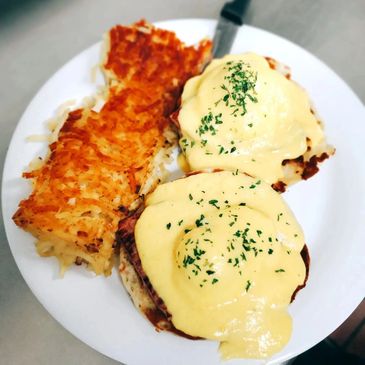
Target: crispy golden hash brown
103, 161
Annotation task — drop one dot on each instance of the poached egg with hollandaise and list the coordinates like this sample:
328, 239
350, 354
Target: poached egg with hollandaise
222, 251
241, 113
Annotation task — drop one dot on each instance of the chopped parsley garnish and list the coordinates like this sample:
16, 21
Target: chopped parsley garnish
214, 203
280, 270
199, 222
188, 260
240, 87
221, 150
253, 186
198, 252
235, 173
208, 124
168, 225
248, 285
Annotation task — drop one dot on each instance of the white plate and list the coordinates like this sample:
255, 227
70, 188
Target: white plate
330, 207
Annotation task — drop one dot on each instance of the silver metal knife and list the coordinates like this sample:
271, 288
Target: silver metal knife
231, 18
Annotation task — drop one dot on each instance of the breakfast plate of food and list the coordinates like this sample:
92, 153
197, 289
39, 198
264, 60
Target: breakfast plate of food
168, 207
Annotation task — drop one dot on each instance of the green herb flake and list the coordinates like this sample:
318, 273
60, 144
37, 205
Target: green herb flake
214, 203
248, 285
235, 173
168, 225
240, 87
188, 260
199, 222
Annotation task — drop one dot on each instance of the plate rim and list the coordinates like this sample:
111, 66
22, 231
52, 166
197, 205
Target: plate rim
10, 148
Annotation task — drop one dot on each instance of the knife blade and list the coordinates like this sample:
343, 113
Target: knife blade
231, 18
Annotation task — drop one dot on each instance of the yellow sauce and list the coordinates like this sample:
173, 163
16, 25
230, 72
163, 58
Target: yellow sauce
182, 163
241, 114
223, 252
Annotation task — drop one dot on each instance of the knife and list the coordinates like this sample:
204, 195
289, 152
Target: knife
231, 18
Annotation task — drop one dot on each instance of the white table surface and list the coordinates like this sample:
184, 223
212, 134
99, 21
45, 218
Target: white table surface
39, 36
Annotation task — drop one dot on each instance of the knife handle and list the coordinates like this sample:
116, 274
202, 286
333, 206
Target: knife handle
235, 11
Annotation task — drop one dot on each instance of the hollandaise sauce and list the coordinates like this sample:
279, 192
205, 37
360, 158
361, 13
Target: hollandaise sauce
242, 114
222, 250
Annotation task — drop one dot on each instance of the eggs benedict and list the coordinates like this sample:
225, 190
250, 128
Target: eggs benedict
219, 255
242, 113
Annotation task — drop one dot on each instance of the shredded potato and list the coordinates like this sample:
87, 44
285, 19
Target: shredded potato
102, 160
